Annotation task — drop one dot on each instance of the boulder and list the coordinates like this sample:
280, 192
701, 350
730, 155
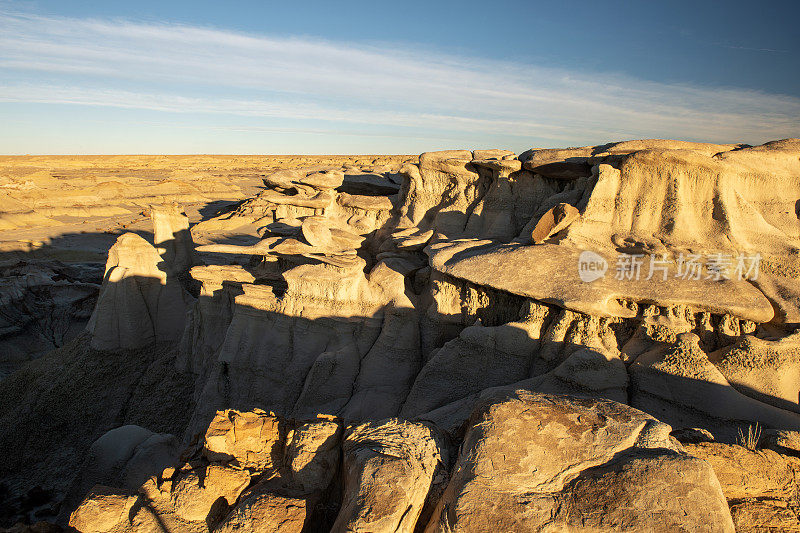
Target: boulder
555, 220
389, 468
284, 178
261, 511
312, 454
253, 439
102, 510
571, 458
647, 490
328, 179
317, 233
411, 238
196, 491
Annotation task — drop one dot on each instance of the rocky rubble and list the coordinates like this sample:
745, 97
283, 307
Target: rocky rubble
529, 461
254, 471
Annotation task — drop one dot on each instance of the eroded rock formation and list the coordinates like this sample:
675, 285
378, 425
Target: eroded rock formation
468, 278
254, 471
141, 302
476, 340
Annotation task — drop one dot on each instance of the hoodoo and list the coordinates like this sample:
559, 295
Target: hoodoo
596, 338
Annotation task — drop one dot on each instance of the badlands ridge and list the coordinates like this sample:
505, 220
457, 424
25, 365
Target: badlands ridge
584, 339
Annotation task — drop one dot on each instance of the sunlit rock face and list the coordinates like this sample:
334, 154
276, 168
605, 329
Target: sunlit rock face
473, 340
371, 295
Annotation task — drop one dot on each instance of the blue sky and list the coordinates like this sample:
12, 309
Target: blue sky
391, 77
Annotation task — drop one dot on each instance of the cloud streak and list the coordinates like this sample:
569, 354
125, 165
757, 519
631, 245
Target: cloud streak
184, 69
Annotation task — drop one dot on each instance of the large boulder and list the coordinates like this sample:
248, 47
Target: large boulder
389, 468
760, 485
103, 510
252, 438
534, 461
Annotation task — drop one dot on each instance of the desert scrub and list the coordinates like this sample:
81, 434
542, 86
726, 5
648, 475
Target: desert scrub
750, 439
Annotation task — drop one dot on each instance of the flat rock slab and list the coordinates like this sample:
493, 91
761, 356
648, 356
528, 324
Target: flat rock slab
550, 273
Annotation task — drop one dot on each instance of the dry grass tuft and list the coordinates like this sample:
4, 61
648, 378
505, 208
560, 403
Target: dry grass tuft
750, 439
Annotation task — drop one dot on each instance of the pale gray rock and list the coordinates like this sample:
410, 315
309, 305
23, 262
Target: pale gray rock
139, 303
172, 237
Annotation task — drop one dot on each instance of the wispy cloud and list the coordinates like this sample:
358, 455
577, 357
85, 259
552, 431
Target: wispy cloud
753, 48
185, 69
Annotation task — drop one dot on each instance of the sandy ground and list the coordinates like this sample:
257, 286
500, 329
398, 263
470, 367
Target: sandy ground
72, 208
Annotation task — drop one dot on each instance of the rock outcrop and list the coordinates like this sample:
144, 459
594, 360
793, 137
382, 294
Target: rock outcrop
420, 305
141, 301
575, 464
551, 315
